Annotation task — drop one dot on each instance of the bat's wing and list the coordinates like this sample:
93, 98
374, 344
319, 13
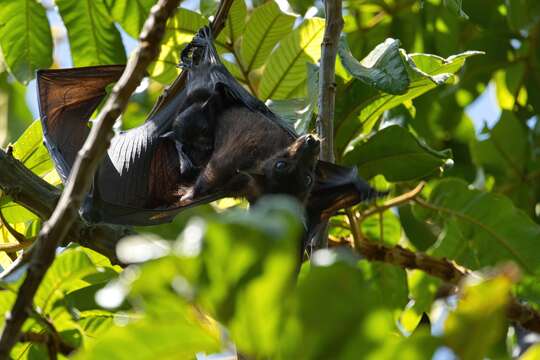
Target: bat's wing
138, 182
67, 98
204, 66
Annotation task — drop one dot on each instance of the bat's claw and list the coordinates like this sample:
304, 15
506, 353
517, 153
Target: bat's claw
188, 196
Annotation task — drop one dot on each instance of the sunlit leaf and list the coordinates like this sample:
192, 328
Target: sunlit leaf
176, 336
266, 26
383, 68
383, 227
479, 319
236, 21
359, 106
69, 272
93, 38
286, 66
179, 32
246, 256
25, 37
131, 14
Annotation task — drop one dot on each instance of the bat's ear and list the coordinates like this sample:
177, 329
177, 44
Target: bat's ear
337, 187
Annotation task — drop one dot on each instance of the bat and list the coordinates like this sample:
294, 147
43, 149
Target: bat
213, 140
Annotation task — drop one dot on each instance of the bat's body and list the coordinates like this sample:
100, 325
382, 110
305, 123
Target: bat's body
213, 140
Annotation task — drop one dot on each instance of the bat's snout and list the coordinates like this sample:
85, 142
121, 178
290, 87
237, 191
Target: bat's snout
309, 147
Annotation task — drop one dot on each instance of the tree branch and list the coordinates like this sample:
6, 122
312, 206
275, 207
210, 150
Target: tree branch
443, 269
327, 85
65, 214
327, 93
40, 197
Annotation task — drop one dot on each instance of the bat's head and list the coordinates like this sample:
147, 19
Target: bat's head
291, 171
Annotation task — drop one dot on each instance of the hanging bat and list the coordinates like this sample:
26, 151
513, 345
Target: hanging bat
213, 140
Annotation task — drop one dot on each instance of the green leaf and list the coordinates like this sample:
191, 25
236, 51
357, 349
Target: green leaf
388, 223
236, 22
455, 7
383, 68
179, 32
25, 37
249, 270
395, 153
299, 112
180, 337
15, 116
483, 229
522, 14
94, 323
358, 106
532, 353
358, 317
420, 234
31, 152
285, 70
130, 14
208, 7
70, 272
505, 153
423, 289
479, 320
93, 38
266, 26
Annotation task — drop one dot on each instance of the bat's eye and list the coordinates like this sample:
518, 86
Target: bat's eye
308, 180
280, 165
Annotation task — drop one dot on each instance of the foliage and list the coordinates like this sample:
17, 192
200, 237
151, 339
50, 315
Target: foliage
411, 77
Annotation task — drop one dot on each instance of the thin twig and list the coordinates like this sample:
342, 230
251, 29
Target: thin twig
327, 93
327, 85
22, 241
398, 200
443, 269
65, 214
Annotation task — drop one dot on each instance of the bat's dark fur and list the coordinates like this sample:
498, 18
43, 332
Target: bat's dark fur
213, 140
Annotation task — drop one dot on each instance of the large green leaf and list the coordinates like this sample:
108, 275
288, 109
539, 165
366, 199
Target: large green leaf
383, 68
365, 327
266, 26
359, 106
395, 153
15, 116
285, 70
249, 272
179, 32
505, 153
181, 335
130, 14
25, 37
419, 233
30, 151
483, 229
93, 38
236, 21
479, 321
70, 272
